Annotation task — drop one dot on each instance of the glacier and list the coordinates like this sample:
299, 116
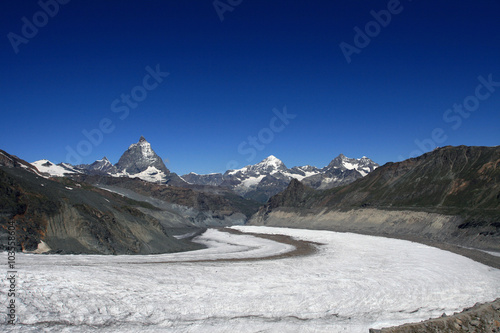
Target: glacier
350, 284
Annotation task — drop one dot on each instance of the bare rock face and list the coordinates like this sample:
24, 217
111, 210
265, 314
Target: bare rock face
213, 179
138, 157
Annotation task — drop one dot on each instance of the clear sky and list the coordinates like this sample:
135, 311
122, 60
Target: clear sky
302, 80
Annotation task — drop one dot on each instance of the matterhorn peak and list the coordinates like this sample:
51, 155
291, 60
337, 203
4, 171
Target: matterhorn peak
139, 157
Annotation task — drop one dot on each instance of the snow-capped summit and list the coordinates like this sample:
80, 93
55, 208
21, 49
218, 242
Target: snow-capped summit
55, 170
363, 165
271, 164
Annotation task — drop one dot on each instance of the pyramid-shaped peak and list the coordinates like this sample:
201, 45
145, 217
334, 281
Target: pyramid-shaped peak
272, 162
138, 157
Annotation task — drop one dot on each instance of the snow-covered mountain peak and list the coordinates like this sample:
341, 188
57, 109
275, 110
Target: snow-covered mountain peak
363, 165
271, 162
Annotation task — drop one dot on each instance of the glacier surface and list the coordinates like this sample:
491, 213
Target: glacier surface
351, 283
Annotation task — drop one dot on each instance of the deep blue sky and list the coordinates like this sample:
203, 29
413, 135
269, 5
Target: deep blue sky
226, 77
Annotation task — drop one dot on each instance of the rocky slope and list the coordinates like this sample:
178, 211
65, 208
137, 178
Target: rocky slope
451, 194
74, 217
212, 179
203, 207
479, 318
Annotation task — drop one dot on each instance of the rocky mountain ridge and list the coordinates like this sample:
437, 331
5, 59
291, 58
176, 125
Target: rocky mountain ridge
102, 166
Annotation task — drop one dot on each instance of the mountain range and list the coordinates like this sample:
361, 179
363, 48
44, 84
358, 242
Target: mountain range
257, 182
271, 176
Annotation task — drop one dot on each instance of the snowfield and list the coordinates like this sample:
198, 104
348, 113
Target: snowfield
352, 283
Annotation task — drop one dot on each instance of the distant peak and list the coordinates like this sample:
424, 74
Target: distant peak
142, 139
271, 158
271, 161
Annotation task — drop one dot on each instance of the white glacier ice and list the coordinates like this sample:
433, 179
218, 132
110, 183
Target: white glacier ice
353, 282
